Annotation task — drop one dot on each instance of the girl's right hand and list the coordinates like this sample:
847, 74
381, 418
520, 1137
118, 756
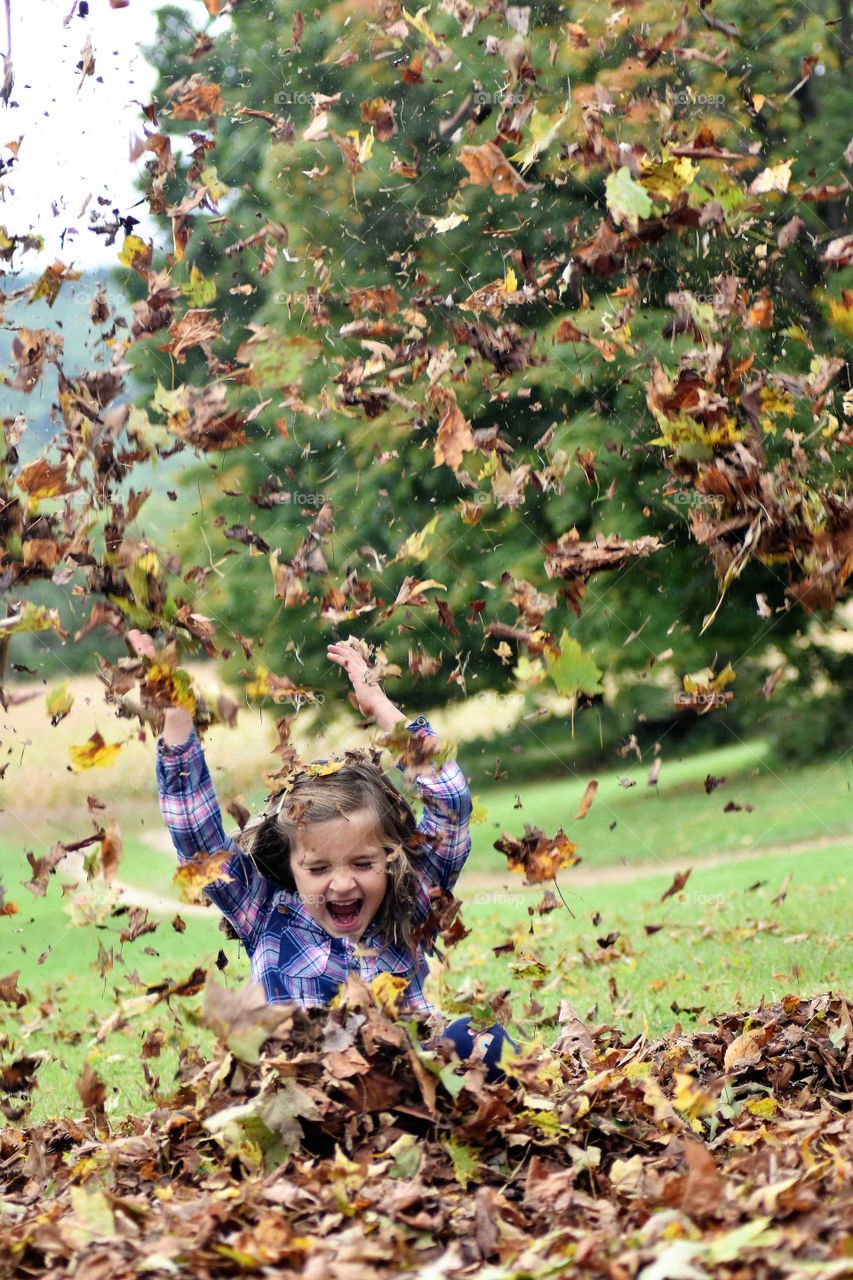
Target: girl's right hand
142, 645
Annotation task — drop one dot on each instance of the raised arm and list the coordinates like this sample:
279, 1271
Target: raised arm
446, 817
446, 797
191, 812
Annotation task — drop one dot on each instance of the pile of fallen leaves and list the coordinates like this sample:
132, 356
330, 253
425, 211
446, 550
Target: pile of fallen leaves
334, 1143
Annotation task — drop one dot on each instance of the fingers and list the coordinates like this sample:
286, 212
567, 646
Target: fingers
141, 644
346, 656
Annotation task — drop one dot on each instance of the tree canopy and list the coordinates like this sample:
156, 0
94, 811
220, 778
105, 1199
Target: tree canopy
515, 345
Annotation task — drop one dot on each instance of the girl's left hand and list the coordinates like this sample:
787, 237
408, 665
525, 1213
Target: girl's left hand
347, 655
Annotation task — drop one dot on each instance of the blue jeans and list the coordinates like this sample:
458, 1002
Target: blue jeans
462, 1037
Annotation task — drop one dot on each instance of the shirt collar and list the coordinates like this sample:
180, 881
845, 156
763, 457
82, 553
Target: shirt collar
296, 912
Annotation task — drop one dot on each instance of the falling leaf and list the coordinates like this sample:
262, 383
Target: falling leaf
192, 877
539, 857
677, 885
9, 992
573, 671
626, 199
95, 753
58, 703
587, 798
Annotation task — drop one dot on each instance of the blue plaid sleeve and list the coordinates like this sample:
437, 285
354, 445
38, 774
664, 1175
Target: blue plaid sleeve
446, 817
191, 812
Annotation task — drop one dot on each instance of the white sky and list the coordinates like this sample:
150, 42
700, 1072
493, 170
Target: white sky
75, 142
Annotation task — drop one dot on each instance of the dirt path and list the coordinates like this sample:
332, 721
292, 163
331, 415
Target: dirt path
132, 896
474, 882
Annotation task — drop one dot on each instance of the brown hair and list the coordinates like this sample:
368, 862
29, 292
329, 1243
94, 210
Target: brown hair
314, 796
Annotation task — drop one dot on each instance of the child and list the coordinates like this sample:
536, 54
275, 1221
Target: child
335, 874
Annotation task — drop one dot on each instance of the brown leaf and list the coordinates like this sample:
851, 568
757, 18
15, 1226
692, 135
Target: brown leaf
487, 166
587, 798
9, 992
677, 885
568, 557
539, 857
703, 1190
137, 925
92, 1091
745, 1050
111, 851
197, 99
454, 437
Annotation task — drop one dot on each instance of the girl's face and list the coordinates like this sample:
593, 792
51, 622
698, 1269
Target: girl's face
339, 868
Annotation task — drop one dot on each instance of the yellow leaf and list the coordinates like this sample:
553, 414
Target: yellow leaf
479, 812
387, 989
510, 280
95, 754
59, 702
420, 23
132, 250
764, 1108
415, 546
841, 313
690, 1100
364, 149
322, 768
193, 877
164, 686
775, 178
665, 179
772, 403
149, 562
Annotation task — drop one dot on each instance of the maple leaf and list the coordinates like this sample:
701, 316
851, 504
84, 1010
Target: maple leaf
539, 857
41, 479
573, 670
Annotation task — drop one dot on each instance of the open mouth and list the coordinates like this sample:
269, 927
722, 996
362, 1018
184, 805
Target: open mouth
345, 914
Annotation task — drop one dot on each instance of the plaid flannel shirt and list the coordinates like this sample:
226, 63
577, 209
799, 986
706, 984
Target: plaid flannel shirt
291, 954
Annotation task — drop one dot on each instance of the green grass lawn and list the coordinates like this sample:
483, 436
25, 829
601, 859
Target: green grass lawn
676, 818
723, 943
